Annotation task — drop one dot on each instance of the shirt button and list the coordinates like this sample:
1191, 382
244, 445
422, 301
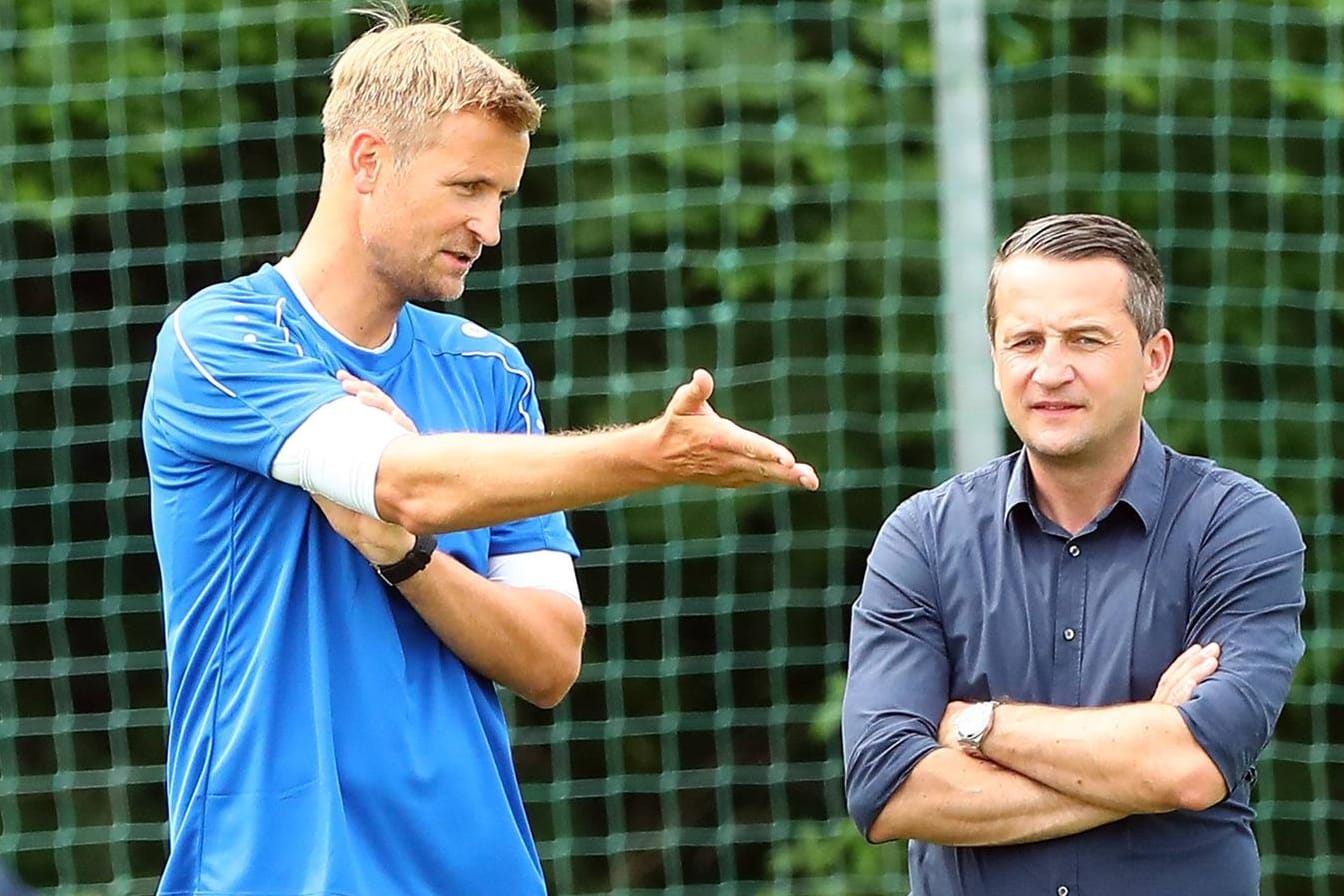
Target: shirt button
1069, 635
1063, 891
1073, 552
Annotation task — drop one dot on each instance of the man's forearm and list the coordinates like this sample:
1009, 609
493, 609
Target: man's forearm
455, 481
1134, 757
529, 640
953, 799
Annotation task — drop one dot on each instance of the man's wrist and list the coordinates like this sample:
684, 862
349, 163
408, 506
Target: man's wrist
380, 555
973, 725
413, 561
638, 449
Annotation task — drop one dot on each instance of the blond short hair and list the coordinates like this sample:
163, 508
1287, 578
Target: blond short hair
402, 75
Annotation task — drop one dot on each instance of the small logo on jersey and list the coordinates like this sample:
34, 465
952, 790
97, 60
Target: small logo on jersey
474, 330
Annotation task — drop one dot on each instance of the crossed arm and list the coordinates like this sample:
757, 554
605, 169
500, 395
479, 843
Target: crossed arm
1052, 771
527, 639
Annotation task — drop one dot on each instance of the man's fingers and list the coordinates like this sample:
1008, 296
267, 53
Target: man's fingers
761, 448
775, 463
1185, 673
807, 477
371, 395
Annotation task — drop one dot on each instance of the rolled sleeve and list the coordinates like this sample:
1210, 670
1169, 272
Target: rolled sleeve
1249, 599
897, 687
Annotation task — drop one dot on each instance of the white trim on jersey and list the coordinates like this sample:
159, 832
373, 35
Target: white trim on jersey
335, 453
527, 390
551, 570
191, 356
285, 267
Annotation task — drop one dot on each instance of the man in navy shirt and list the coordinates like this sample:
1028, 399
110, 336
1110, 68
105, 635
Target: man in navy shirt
1063, 665
334, 725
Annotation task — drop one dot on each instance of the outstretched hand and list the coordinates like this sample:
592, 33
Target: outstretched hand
700, 447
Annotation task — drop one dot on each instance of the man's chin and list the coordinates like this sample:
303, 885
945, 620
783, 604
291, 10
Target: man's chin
1057, 449
440, 294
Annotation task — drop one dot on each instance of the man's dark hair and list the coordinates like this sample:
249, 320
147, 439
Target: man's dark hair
1077, 237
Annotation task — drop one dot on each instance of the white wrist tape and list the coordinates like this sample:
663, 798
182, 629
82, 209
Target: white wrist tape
335, 453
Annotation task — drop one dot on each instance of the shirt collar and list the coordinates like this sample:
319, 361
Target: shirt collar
285, 268
1147, 478
1142, 490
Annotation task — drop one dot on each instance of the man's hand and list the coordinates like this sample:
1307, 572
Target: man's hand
700, 447
381, 543
1185, 672
371, 395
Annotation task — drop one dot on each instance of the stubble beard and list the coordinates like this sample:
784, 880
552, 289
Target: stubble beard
411, 279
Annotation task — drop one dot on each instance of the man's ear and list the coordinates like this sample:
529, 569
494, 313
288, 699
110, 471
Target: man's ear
1157, 359
367, 157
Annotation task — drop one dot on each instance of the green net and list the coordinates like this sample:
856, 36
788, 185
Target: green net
749, 187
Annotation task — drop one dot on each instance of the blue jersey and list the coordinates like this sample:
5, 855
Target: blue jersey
322, 741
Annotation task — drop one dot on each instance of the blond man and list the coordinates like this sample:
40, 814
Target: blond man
332, 660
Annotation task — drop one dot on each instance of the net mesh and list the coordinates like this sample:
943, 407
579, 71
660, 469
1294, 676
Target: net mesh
749, 187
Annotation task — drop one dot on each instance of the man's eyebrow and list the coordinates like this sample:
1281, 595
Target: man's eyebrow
1011, 332
1020, 330
1087, 327
485, 180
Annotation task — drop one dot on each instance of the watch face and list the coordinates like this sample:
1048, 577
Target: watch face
972, 721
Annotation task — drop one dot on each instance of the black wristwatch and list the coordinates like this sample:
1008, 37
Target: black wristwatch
416, 559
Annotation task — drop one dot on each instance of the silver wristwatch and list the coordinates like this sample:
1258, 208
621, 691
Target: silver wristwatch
972, 724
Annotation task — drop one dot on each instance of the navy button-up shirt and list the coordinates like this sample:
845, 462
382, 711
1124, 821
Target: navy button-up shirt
971, 593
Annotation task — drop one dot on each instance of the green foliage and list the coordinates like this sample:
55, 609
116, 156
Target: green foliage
126, 93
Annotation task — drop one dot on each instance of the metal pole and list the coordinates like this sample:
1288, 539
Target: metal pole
966, 215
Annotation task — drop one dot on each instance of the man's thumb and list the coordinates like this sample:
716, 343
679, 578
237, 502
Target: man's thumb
691, 397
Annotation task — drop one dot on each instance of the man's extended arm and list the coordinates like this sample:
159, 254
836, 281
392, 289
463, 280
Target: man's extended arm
452, 481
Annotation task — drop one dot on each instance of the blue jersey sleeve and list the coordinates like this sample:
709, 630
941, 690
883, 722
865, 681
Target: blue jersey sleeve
229, 384
518, 412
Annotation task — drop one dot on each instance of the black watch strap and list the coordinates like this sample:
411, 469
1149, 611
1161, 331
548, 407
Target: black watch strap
416, 559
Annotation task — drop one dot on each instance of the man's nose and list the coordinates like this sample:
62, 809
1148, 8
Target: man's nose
1054, 368
485, 225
